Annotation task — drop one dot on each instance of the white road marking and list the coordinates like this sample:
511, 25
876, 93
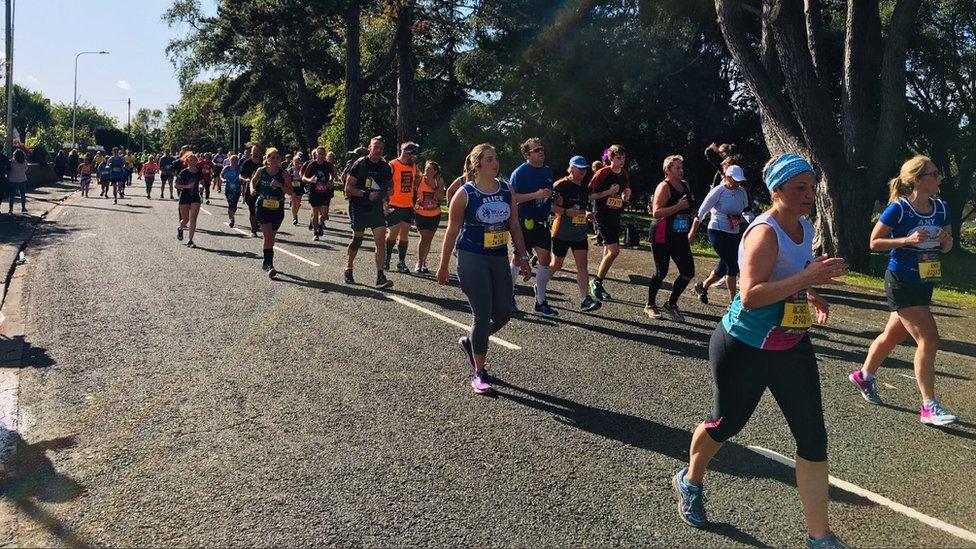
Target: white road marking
888, 385
204, 210
877, 498
280, 249
906, 376
450, 321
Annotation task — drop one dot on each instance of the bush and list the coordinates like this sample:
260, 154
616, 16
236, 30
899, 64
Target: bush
967, 237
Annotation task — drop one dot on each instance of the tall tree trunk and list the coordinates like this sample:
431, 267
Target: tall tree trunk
353, 98
306, 135
406, 118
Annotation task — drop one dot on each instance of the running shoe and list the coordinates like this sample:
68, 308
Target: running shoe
190, 244
653, 312
179, 233
231, 223
936, 414
674, 312
310, 225
148, 196
272, 272
701, 292
254, 233
830, 541
207, 202
589, 304
545, 310
315, 238
691, 500
721, 284
294, 222
386, 262
479, 384
402, 267
465, 344
596, 288
115, 201
422, 269
347, 277
868, 387
382, 283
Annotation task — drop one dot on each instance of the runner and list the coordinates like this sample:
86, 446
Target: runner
402, 198
317, 174
762, 341
916, 228
297, 187
206, 167
231, 176
117, 175
130, 165
249, 166
188, 185
532, 184
367, 184
219, 162
148, 173
104, 176
85, 172
427, 211
671, 210
609, 189
480, 220
269, 185
166, 173
726, 204
569, 202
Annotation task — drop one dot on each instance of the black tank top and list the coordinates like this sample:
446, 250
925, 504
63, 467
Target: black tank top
679, 223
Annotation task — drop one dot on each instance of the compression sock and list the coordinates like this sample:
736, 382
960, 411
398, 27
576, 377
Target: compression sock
542, 275
402, 251
515, 273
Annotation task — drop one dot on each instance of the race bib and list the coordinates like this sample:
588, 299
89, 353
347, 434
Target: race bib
529, 223
321, 187
796, 313
615, 202
734, 222
681, 223
579, 219
496, 236
929, 266
271, 203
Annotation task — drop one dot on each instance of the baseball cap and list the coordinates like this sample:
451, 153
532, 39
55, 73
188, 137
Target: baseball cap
578, 162
735, 172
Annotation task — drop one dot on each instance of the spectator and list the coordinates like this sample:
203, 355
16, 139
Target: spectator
18, 179
4, 174
60, 164
73, 164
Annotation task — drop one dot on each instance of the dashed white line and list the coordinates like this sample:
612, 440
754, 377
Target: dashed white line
204, 210
876, 498
451, 321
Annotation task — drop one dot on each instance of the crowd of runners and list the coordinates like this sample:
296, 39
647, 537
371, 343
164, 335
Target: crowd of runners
501, 229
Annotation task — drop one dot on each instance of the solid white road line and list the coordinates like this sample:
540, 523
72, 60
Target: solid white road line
280, 249
451, 321
204, 210
906, 376
877, 498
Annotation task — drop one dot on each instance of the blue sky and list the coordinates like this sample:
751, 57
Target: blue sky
49, 33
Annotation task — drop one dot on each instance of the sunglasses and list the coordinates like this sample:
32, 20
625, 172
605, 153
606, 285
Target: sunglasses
537, 150
935, 173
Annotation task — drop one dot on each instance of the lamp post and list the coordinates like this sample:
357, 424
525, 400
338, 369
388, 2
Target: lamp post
74, 105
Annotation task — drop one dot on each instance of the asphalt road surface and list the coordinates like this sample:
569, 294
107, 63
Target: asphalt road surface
180, 397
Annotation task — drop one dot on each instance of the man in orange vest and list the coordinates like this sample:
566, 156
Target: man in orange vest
406, 177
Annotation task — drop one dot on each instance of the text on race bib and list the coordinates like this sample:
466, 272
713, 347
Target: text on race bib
796, 313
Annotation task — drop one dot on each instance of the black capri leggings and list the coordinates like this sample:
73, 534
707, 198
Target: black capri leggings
679, 250
726, 245
740, 375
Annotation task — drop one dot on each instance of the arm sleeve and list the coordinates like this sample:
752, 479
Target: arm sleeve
891, 215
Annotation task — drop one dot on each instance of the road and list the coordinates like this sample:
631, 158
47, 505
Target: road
179, 397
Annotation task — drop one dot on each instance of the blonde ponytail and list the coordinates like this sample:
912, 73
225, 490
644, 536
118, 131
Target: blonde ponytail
908, 175
474, 159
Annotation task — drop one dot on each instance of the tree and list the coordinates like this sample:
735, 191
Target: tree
942, 100
198, 119
31, 110
854, 144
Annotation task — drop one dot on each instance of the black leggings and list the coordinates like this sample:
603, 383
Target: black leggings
679, 250
726, 245
740, 375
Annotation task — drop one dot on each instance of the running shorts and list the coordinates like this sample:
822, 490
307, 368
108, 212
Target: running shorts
536, 237
366, 219
399, 215
608, 232
902, 294
317, 200
561, 247
274, 216
427, 222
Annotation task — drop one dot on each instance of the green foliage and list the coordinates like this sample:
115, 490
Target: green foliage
31, 112
198, 119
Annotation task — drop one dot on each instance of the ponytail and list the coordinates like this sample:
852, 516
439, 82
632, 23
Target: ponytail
908, 175
898, 188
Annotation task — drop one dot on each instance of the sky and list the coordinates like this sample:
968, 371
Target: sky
49, 33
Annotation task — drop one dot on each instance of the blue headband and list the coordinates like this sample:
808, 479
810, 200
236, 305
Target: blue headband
785, 167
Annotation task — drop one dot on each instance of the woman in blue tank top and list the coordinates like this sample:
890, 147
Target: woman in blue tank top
915, 227
762, 342
481, 218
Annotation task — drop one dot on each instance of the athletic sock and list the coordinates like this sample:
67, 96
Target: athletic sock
268, 256
865, 375
389, 248
928, 403
542, 275
402, 251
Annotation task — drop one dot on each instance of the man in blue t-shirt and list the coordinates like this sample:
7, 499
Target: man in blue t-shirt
532, 184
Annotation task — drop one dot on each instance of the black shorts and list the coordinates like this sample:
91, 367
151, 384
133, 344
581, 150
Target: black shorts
360, 220
189, 200
561, 247
274, 216
232, 199
536, 237
399, 215
166, 177
317, 200
299, 190
427, 222
608, 231
902, 294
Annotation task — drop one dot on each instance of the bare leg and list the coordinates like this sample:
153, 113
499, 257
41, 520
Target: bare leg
194, 212
921, 325
703, 449
582, 272
610, 253
811, 482
892, 336
379, 239
184, 215
426, 237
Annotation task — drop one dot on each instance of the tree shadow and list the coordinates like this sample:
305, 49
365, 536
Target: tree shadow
67, 205
871, 301
733, 459
31, 479
668, 345
17, 352
959, 347
315, 245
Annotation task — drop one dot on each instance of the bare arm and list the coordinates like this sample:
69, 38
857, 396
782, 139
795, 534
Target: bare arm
882, 241
455, 218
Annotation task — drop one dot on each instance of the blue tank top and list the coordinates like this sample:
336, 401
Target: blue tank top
904, 220
116, 166
486, 216
781, 325
232, 175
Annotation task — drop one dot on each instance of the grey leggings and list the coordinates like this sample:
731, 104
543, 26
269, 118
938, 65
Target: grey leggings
487, 281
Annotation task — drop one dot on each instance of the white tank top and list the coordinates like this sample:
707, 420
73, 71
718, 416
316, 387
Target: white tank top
792, 257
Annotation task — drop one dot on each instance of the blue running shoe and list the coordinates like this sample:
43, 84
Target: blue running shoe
691, 500
830, 541
868, 387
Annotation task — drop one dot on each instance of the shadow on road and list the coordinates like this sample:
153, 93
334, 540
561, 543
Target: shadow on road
67, 205
228, 253
968, 430
31, 479
734, 459
359, 290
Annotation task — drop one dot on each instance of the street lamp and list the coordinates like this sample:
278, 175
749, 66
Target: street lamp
74, 105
